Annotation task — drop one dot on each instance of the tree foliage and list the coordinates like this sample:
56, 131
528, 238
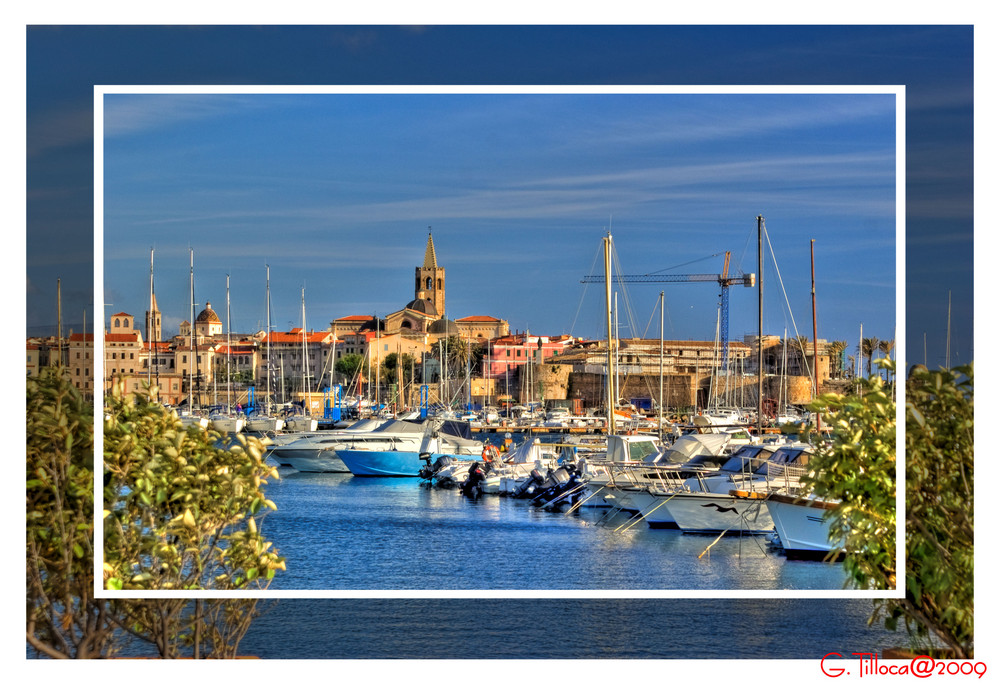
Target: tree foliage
63, 618
858, 469
179, 513
939, 509
349, 365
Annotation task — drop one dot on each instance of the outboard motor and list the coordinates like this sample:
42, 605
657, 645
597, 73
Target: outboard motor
429, 470
530, 487
472, 487
566, 487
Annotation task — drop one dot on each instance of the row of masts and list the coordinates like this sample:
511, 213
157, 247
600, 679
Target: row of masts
611, 397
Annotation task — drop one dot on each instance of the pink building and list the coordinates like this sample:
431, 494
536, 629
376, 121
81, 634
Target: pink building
507, 354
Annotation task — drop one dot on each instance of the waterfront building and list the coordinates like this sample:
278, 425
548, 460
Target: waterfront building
80, 363
507, 354
123, 351
418, 327
299, 361
42, 352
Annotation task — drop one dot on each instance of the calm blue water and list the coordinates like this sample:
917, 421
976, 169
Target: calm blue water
344, 532
341, 532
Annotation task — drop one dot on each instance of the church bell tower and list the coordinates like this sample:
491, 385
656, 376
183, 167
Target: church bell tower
430, 279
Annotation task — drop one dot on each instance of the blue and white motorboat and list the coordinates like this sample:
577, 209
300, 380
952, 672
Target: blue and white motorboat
405, 455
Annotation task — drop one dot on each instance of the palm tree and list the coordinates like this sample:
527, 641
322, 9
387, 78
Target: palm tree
886, 347
836, 350
869, 345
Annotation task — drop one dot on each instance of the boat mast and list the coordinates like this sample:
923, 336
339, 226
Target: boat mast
947, 346
267, 368
812, 259
305, 362
149, 328
191, 335
607, 300
229, 345
760, 330
660, 407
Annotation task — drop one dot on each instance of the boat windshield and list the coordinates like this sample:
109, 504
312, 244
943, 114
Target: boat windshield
642, 449
738, 464
791, 456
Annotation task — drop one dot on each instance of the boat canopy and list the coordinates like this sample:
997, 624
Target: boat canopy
632, 447
689, 446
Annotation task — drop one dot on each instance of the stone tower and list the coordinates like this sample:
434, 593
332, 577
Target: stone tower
154, 322
430, 279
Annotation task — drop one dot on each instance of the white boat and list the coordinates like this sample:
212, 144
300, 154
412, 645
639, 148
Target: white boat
193, 419
227, 424
301, 423
314, 452
503, 472
263, 424
625, 484
707, 505
802, 524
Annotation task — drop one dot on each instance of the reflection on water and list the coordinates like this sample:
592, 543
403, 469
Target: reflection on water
343, 532
562, 628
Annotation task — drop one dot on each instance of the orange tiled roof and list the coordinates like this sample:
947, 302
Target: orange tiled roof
478, 319
295, 336
121, 337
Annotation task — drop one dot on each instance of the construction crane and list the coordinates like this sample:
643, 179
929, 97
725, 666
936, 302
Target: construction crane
724, 280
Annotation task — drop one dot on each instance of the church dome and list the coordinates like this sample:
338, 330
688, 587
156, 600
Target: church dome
208, 315
444, 326
423, 306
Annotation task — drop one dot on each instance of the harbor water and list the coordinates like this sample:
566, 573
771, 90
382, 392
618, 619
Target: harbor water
340, 532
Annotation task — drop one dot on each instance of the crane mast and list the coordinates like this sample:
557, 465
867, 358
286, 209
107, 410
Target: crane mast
724, 280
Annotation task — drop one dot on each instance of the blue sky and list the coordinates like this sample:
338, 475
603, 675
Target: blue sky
934, 63
335, 192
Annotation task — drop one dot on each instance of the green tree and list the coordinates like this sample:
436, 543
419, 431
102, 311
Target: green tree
939, 509
182, 513
395, 361
886, 347
869, 345
837, 348
858, 469
349, 365
63, 618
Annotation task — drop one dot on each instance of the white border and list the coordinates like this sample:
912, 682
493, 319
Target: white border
898, 91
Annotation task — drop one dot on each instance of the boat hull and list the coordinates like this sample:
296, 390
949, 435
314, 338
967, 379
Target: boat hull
316, 461
801, 526
709, 513
376, 463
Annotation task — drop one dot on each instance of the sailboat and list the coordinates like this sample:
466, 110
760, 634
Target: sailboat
264, 422
303, 422
188, 417
227, 421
